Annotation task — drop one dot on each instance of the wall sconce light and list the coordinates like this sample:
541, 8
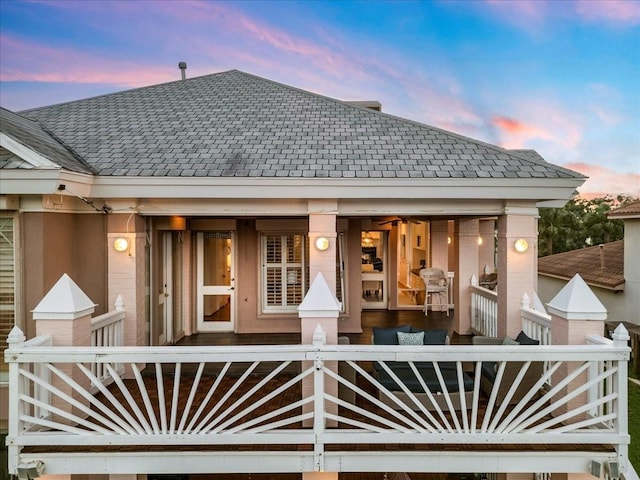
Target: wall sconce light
448, 240
521, 245
121, 244
322, 243
479, 240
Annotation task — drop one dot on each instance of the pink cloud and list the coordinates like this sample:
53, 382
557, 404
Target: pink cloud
604, 181
29, 61
619, 12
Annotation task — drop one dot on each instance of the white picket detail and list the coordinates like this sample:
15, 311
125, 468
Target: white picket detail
536, 324
484, 309
107, 330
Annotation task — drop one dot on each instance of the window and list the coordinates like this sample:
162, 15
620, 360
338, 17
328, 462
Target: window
284, 272
7, 286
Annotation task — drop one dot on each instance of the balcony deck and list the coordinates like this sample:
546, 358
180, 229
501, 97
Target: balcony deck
154, 390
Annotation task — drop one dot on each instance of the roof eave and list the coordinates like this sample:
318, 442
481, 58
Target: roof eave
538, 189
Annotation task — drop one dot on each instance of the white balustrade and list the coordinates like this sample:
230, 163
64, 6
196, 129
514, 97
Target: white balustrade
484, 309
107, 330
536, 324
252, 396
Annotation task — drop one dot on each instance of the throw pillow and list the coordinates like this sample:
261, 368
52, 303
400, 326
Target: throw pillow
410, 338
509, 341
524, 339
388, 336
433, 337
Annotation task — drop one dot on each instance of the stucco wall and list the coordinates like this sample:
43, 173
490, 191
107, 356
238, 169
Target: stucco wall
57, 243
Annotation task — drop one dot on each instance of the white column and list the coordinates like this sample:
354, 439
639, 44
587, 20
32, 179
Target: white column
517, 271
466, 265
126, 275
322, 241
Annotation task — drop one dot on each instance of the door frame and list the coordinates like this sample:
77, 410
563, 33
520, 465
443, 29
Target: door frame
202, 290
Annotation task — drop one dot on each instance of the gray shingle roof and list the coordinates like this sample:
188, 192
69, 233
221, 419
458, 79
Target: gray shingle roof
233, 124
34, 136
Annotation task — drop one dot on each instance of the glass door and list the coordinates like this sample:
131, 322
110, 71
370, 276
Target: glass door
215, 282
374, 245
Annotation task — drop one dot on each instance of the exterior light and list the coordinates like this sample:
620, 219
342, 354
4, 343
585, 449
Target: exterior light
479, 240
521, 245
322, 243
121, 244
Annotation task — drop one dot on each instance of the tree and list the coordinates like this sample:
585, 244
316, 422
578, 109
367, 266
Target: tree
580, 223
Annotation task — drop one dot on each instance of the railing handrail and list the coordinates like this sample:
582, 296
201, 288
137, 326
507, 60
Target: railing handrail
106, 319
249, 353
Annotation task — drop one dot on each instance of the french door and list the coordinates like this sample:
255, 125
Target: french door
215, 282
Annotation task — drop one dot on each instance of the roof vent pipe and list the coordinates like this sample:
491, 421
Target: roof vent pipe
601, 256
183, 69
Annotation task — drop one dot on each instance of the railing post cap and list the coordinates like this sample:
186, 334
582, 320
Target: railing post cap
319, 336
474, 280
15, 337
525, 300
119, 303
621, 335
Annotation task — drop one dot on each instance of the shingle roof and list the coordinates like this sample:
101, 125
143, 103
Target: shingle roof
236, 124
630, 210
33, 135
598, 266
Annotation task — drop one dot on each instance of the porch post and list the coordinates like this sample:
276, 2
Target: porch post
575, 313
322, 241
64, 314
517, 270
319, 308
465, 265
126, 275
486, 243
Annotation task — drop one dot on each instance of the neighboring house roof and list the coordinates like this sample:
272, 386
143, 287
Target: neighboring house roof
600, 266
38, 146
233, 124
631, 210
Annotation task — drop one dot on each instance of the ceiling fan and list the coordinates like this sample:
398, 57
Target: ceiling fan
400, 220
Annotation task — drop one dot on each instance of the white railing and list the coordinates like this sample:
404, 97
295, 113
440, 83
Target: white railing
107, 330
536, 324
281, 403
484, 309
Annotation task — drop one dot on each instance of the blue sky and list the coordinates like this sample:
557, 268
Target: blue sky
562, 77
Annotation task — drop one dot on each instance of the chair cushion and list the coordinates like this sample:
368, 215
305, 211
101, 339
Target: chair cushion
427, 372
433, 337
523, 339
388, 336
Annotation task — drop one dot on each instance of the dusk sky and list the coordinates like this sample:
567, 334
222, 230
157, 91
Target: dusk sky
561, 77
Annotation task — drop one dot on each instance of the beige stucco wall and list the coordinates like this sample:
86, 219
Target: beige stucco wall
58, 243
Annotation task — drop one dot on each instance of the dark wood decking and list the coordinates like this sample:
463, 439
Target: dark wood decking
370, 319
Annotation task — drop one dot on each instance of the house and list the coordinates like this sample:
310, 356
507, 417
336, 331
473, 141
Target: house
601, 266
211, 204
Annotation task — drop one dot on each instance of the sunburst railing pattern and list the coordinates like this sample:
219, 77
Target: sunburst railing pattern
315, 399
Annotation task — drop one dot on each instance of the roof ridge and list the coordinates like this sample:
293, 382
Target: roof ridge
119, 92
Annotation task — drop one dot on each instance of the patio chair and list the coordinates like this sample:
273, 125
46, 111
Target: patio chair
436, 289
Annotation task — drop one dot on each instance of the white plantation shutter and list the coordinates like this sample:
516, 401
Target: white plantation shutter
283, 272
7, 284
